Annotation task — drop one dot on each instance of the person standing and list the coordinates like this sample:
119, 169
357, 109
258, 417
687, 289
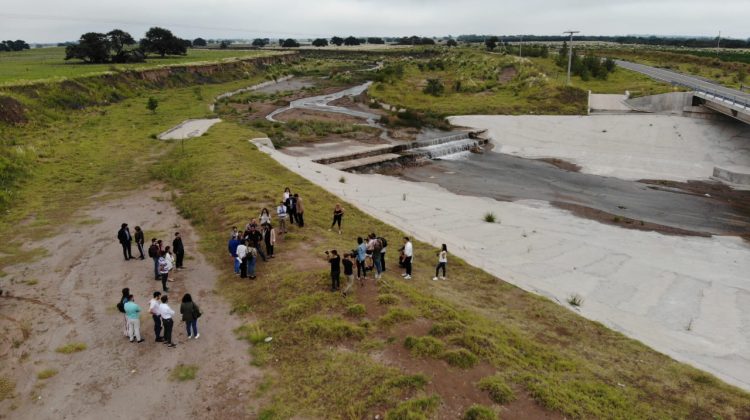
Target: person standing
335, 260
153, 309
164, 266
348, 272
361, 255
232, 246
153, 252
242, 258
338, 214
123, 235
408, 256
166, 318
265, 217
281, 214
170, 258
291, 207
300, 210
377, 246
384, 243
179, 250
256, 238
121, 306
190, 314
269, 237
252, 259
133, 314
442, 262
139, 240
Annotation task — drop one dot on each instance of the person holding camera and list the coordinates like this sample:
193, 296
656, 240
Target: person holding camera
335, 261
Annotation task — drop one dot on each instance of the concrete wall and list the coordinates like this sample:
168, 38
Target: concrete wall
671, 103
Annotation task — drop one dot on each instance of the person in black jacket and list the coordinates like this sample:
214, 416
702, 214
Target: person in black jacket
139, 240
256, 238
178, 249
123, 235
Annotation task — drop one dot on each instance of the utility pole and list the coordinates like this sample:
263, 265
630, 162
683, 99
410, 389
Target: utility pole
718, 42
520, 48
570, 51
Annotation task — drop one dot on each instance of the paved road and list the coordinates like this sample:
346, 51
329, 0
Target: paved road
506, 177
690, 82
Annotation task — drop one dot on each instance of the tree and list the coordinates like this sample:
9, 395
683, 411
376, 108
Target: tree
351, 41
260, 42
290, 43
118, 40
17, 45
152, 104
491, 43
161, 41
610, 65
452, 43
320, 42
199, 42
92, 47
337, 41
375, 40
434, 87
223, 45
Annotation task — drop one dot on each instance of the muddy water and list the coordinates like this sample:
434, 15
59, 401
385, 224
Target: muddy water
511, 178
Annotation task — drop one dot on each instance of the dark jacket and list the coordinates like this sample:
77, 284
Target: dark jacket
177, 246
189, 310
123, 235
139, 237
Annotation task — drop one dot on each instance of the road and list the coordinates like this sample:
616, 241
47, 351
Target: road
690, 82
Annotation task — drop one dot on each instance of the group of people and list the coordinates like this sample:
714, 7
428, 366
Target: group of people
162, 315
166, 258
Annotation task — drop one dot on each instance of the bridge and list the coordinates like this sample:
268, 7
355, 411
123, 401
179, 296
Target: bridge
731, 102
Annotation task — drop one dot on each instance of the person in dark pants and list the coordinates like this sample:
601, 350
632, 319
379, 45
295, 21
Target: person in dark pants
153, 308
269, 237
153, 252
164, 267
166, 318
256, 238
408, 256
123, 235
291, 208
139, 241
178, 249
335, 260
242, 256
300, 209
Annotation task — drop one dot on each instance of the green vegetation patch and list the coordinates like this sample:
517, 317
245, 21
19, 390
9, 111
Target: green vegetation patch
497, 388
460, 358
7, 387
71, 348
396, 316
424, 346
480, 412
320, 327
46, 373
183, 373
415, 409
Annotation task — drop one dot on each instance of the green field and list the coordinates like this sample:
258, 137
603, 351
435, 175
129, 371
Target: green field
49, 63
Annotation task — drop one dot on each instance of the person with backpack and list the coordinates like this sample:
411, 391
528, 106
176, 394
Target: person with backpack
121, 306
153, 309
139, 241
442, 262
133, 315
190, 314
166, 314
153, 252
376, 248
164, 267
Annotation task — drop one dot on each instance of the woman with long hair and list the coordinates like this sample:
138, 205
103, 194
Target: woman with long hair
338, 214
190, 314
265, 217
442, 262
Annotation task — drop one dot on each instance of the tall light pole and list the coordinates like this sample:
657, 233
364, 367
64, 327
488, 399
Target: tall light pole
570, 51
718, 43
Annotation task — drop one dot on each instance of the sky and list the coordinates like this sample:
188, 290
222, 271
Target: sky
65, 20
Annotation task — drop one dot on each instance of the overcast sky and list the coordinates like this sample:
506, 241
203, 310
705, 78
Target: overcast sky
64, 20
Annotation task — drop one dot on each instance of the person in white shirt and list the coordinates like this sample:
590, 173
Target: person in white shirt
164, 266
242, 256
166, 314
281, 214
442, 262
170, 258
408, 255
153, 309
265, 217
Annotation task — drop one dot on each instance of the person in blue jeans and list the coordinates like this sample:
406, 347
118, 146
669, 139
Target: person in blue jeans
190, 314
232, 246
252, 258
361, 254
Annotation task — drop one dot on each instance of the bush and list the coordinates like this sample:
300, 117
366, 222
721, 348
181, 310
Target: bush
387, 299
396, 315
460, 358
434, 87
480, 412
330, 329
498, 390
71, 348
416, 409
46, 373
183, 373
489, 217
356, 310
252, 333
424, 346
575, 300
442, 329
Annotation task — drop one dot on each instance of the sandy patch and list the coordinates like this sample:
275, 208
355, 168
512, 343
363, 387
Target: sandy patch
69, 296
189, 128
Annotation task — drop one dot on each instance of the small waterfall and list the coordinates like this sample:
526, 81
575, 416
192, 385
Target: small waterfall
448, 150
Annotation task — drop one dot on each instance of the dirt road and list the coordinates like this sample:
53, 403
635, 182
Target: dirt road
69, 296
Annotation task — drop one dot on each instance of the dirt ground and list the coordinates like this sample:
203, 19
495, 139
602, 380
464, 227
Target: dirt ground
70, 295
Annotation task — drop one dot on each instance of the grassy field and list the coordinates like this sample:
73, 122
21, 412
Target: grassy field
477, 82
49, 63
330, 356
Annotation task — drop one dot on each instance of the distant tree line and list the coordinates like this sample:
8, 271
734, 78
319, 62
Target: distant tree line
587, 67
117, 46
17, 45
705, 42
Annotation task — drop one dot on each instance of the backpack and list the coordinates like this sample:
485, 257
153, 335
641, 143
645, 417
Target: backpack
383, 242
378, 246
152, 250
121, 305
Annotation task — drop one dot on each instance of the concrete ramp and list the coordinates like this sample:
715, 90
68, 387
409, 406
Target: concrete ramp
600, 103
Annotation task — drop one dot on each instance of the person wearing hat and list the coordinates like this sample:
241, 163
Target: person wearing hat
123, 235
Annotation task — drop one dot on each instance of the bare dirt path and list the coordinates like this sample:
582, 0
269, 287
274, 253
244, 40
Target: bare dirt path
69, 296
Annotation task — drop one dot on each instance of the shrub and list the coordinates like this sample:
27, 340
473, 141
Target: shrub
46, 373
327, 328
489, 217
71, 348
480, 412
252, 333
442, 329
342, 180
396, 315
498, 390
387, 299
424, 346
460, 358
183, 373
415, 409
575, 300
356, 310
434, 87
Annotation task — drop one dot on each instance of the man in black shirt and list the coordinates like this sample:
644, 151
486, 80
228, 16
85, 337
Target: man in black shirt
335, 260
178, 249
123, 235
256, 238
348, 272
